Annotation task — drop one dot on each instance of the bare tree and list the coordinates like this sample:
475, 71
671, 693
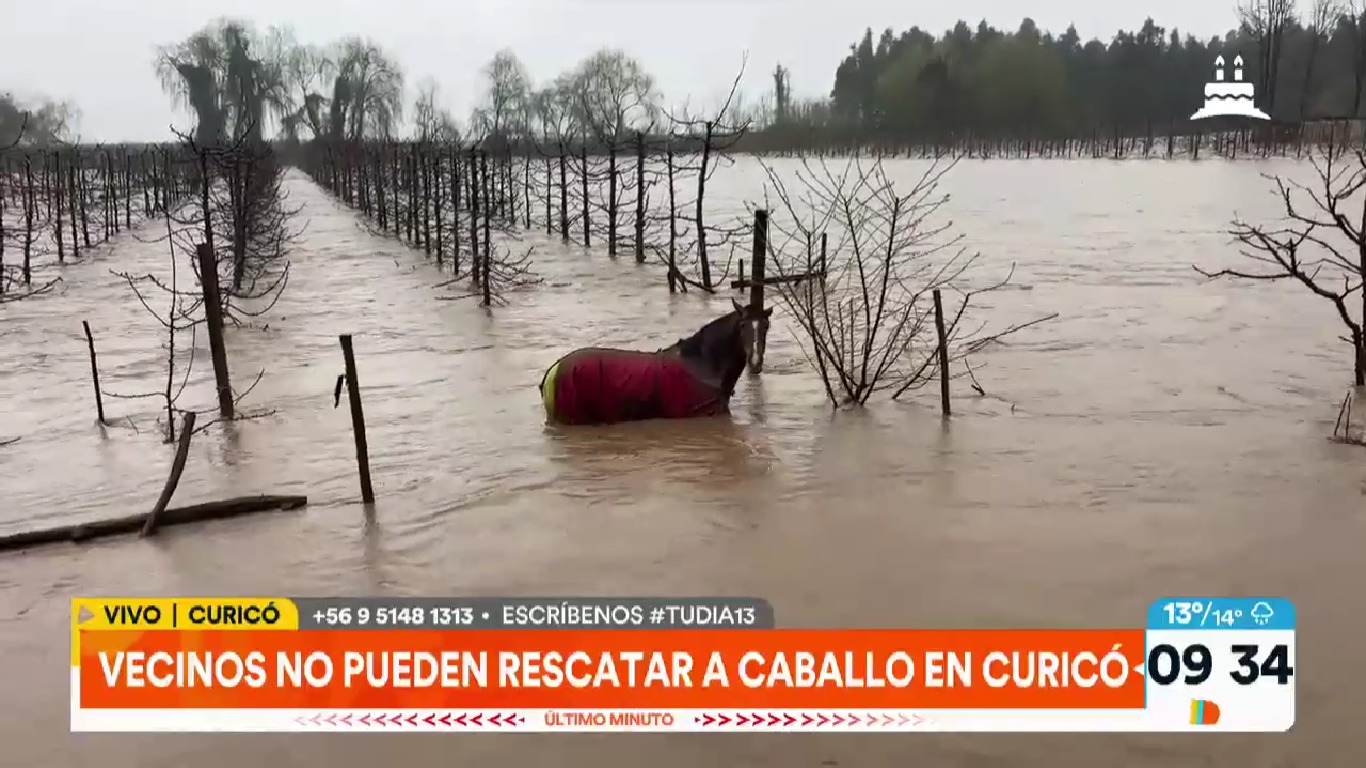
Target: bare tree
307, 70
1265, 21
612, 95
1355, 21
231, 77
367, 93
553, 114
867, 323
32, 210
49, 124
500, 115
708, 141
1316, 243
431, 121
1323, 15
237, 194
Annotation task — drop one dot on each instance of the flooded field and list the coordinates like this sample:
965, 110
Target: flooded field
1164, 436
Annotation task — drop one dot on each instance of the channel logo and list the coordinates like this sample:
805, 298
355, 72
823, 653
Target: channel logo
1204, 712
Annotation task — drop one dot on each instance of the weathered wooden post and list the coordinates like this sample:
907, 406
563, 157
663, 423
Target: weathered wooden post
487, 262
436, 201
182, 452
94, 371
612, 199
756, 287
640, 197
549, 190
564, 197
456, 186
673, 221
475, 205
367, 492
583, 185
943, 354
424, 162
213, 317
526, 189
55, 205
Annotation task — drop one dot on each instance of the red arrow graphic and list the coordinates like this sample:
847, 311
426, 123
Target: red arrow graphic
823, 719
788, 719
477, 719
445, 719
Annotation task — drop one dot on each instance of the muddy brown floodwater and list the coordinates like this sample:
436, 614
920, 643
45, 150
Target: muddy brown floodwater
1168, 437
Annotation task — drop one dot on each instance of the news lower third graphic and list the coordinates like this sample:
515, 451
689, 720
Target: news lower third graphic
661, 664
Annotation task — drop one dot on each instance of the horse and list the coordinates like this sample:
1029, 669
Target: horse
691, 378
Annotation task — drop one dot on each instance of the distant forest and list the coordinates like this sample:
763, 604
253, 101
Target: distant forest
985, 82
972, 83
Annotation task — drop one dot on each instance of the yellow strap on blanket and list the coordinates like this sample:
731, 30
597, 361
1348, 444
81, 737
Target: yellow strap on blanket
548, 390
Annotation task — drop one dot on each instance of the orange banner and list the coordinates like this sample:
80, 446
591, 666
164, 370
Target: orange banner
645, 669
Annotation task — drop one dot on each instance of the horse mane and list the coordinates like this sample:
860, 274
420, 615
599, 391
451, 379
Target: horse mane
705, 339
708, 345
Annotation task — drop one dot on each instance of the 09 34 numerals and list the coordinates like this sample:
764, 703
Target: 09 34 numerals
1194, 664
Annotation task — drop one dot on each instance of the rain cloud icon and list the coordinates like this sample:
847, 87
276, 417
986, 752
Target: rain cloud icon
1262, 613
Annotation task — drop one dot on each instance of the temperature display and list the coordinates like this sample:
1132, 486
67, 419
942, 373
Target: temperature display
1225, 613
1221, 663
1186, 612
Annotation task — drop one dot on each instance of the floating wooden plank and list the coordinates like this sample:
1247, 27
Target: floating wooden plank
195, 513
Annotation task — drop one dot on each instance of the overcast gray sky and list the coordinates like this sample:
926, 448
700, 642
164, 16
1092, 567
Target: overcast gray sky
98, 53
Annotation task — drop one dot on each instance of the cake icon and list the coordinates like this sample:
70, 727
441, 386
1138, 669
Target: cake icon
1231, 99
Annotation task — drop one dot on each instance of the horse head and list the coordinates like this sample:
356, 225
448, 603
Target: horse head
727, 345
752, 327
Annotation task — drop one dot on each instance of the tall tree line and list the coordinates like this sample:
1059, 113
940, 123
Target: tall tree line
984, 81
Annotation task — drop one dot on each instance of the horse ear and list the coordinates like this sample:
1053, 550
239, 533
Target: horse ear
768, 313
736, 304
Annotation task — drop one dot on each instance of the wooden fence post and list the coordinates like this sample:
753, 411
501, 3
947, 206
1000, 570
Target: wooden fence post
94, 371
943, 354
756, 286
367, 492
213, 316
640, 198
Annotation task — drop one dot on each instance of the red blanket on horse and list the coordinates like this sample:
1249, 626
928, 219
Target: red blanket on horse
604, 386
